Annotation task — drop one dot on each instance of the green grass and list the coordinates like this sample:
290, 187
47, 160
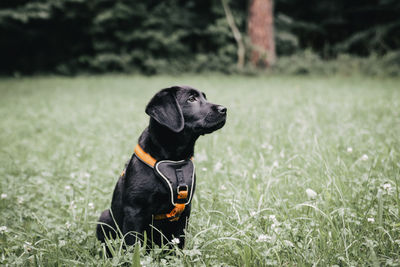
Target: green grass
64, 141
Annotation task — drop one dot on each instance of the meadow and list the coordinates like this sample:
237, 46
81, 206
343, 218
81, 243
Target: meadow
305, 172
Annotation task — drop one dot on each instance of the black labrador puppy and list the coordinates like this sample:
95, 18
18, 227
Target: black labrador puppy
153, 198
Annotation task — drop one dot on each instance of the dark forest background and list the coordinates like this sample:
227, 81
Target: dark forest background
75, 36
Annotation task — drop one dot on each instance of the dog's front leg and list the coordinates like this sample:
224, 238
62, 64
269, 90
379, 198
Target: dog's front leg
135, 220
181, 226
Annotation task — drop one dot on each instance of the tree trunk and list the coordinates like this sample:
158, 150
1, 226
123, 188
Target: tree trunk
261, 32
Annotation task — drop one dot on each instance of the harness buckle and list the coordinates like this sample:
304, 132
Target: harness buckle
182, 191
178, 189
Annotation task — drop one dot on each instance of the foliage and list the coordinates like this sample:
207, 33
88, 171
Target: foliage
71, 36
64, 142
309, 63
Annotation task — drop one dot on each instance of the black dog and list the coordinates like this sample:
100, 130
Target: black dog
153, 194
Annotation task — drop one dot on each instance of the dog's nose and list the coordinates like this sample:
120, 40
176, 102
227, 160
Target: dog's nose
221, 109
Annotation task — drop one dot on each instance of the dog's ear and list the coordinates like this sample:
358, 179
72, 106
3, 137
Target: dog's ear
164, 108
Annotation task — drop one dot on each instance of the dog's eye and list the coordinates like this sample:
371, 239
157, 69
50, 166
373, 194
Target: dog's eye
191, 99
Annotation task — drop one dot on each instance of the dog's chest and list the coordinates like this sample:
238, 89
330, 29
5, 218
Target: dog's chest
178, 177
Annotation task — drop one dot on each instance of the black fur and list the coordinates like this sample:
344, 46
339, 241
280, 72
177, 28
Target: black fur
178, 116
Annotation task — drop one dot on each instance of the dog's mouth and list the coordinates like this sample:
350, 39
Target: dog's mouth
210, 127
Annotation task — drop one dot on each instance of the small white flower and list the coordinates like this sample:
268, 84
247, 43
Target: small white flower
62, 243
78, 155
223, 187
46, 174
3, 196
264, 145
349, 149
267, 146
288, 243
371, 220
254, 176
68, 225
27, 246
67, 187
387, 186
263, 238
275, 164
272, 217
175, 241
218, 166
311, 194
91, 205
364, 157
252, 213
204, 169
86, 175
3, 229
72, 205
20, 200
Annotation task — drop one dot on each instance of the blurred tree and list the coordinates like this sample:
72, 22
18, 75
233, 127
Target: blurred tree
261, 32
72, 36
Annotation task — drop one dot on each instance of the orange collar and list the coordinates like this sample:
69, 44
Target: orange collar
145, 157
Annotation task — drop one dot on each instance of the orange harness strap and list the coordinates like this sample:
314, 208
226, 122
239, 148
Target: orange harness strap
143, 156
174, 215
176, 212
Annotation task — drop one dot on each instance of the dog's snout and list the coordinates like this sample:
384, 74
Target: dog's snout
221, 109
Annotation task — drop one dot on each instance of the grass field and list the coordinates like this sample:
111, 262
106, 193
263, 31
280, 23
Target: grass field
305, 172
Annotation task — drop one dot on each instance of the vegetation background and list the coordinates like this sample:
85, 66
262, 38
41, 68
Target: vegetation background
306, 171
175, 36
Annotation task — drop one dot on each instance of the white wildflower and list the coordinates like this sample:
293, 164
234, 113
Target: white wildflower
371, 220
3, 229
364, 157
349, 149
218, 166
253, 213
311, 194
272, 217
267, 146
67, 187
263, 238
20, 200
204, 169
78, 155
175, 241
3, 196
254, 176
72, 205
223, 187
46, 174
275, 164
282, 154
62, 243
86, 175
91, 205
68, 225
387, 186
27, 246
288, 243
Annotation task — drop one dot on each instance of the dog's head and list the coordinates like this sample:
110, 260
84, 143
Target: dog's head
183, 107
